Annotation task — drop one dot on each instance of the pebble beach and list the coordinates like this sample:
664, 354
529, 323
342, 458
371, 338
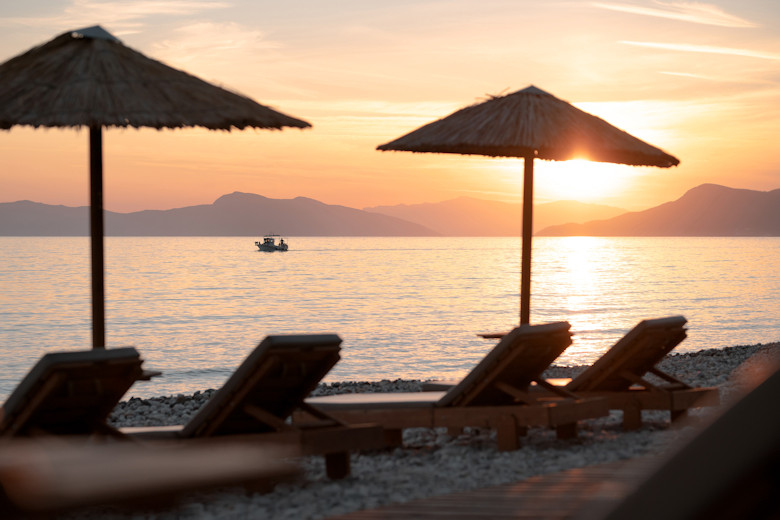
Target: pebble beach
431, 462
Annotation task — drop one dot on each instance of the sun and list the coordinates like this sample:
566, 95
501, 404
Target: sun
577, 179
580, 180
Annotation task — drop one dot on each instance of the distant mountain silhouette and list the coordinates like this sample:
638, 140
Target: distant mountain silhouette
466, 216
26, 218
237, 214
707, 210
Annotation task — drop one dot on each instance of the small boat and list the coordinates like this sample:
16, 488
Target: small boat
269, 243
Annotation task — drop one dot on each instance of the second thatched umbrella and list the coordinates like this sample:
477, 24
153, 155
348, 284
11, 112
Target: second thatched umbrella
89, 78
531, 124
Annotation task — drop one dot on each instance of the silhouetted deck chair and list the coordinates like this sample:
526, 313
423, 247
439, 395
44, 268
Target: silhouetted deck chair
44, 479
263, 392
620, 374
71, 393
494, 394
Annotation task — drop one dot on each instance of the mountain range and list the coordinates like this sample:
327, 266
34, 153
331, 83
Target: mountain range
466, 216
236, 214
708, 210
246, 214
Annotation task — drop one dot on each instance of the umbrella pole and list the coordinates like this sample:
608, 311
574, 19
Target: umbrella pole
96, 233
525, 267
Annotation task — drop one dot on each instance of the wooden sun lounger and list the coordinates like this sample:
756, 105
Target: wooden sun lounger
495, 394
620, 375
71, 393
263, 392
46, 478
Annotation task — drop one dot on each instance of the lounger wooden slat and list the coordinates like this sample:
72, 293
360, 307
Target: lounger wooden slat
480, 399
262, 394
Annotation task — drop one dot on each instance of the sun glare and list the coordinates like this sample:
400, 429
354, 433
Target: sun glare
580, 180
577, 179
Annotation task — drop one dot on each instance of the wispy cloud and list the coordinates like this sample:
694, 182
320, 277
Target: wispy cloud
221, 50
686, 75
124, 16
706, 49
693, 12
718, 79
133, 9
206, 41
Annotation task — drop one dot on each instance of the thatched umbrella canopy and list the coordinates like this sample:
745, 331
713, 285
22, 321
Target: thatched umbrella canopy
531, 124
89, 78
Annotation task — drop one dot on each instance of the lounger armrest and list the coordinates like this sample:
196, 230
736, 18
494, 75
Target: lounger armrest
147, 375
492, 335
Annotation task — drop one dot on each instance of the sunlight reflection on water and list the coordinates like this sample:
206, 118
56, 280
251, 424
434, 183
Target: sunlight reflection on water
405, 307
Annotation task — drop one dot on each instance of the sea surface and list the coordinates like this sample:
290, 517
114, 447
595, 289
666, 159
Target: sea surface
405, 307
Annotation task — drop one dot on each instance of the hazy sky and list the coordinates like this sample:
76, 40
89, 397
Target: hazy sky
699, 80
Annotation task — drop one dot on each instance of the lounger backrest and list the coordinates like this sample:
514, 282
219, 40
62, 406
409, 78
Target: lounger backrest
70, 392
637, 352
265, 389
519, 358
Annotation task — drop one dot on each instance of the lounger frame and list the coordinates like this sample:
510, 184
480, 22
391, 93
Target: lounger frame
620, 375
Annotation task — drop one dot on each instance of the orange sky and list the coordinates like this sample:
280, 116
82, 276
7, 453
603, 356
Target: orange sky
699, 80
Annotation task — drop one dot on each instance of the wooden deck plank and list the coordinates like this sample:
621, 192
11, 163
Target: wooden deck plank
556, 496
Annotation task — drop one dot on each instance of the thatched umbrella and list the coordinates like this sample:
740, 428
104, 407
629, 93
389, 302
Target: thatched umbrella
89, 78
531, 124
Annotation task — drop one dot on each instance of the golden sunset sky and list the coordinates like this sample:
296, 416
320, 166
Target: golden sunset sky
701, 80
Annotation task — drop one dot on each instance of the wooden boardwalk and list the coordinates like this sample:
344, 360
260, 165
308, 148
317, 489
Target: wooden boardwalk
566, 495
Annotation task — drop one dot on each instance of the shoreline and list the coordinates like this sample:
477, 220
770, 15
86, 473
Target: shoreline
433, 463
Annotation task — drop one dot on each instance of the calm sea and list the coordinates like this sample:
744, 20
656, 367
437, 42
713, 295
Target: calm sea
405, 307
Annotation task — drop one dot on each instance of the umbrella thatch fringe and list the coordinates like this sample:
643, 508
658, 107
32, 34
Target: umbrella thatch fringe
76, 81
534, 124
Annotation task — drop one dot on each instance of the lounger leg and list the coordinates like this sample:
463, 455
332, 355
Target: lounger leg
394, 438
632, 417
337, 465
507, 434
566, 431
678, 415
